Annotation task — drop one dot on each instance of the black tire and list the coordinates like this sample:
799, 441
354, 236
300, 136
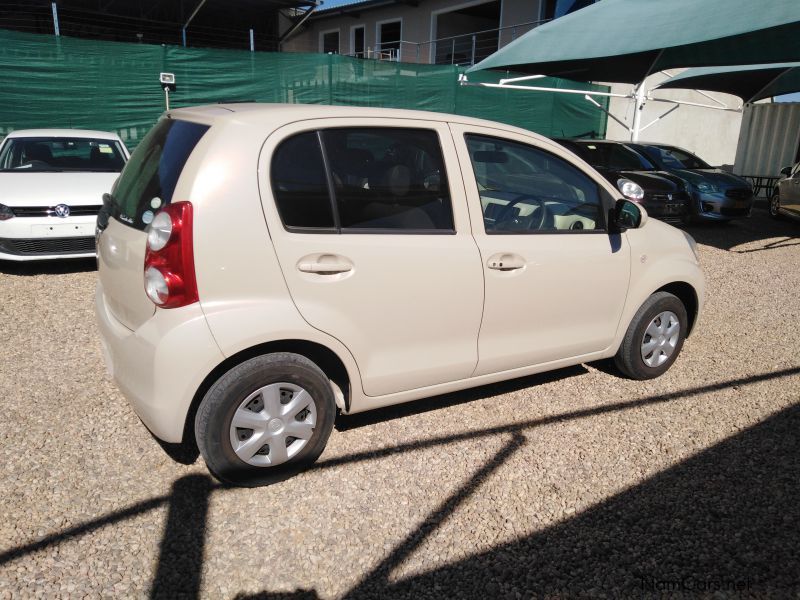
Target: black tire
774, 205
629, 356
216, 411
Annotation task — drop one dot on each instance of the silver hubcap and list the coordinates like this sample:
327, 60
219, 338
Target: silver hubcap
660, 339
273, 424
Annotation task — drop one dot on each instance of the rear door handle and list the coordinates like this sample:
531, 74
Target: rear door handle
324, 264
505, 262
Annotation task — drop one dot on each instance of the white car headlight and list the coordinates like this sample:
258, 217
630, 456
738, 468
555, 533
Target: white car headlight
630, 189
5, 213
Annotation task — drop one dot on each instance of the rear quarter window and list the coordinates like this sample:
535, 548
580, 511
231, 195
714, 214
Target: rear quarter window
148, 181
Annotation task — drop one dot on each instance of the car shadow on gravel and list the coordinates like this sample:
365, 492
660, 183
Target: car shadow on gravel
724, 520
399, 411
760, 227
48, 267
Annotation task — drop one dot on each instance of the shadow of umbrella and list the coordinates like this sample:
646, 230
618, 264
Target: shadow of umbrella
724, 521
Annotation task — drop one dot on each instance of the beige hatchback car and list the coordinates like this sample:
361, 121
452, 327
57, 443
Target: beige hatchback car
262, 267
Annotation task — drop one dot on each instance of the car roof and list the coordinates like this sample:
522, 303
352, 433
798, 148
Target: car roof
73, 133
276, 115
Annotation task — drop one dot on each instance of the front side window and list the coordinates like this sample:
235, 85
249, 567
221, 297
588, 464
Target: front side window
62, 154
524, 189
375, 179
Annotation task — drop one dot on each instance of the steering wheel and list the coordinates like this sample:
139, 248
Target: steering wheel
35, 164
544, 215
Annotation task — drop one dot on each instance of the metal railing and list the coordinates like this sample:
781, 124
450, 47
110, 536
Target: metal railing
464, 50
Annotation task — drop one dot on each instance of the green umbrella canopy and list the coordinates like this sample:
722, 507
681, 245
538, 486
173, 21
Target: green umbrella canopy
749, 82
626, 40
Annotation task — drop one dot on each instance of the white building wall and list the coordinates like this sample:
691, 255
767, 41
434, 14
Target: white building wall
709, 133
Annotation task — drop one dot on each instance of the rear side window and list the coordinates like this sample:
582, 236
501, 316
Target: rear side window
362, 179
300, 184
150, 177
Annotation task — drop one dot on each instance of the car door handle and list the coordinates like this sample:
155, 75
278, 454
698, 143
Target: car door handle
505, 262
324, 268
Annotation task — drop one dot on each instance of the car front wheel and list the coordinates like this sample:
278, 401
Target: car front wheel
654, 338
265, 419
775, 206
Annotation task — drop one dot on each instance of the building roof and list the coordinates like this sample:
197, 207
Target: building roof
343, 5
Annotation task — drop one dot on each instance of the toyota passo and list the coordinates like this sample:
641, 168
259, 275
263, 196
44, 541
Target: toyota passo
265, 267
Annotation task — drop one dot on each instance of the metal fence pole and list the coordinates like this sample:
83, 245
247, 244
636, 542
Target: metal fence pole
55, 18
183, 36
473, 50
252, 42
453, 52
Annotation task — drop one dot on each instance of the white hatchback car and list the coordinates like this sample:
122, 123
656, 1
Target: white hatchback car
263, 266
52, 183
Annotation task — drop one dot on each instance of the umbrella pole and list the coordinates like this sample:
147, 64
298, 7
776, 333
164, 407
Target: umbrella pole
639, 98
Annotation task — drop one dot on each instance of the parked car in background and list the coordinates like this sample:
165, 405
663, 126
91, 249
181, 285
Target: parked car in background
52, 183
263, 267
663, 195
716, 195
785, 200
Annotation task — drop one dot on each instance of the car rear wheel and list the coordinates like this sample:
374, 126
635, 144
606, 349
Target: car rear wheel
775, 206
654, 338
265, 419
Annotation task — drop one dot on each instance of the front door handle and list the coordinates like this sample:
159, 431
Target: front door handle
324, 264
505, 261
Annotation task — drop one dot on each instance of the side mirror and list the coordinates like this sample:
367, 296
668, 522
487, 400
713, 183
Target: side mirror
786, 171
628, 215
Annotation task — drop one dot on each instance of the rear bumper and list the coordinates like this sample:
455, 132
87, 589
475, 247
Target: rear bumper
47, 238
160, 366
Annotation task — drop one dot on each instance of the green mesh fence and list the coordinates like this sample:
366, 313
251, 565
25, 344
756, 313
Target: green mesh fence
48, 81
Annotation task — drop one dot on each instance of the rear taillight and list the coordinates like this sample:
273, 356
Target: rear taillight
169, 278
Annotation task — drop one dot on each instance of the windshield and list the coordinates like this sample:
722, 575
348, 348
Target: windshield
38, 154
611, 156
675, 158
149, 179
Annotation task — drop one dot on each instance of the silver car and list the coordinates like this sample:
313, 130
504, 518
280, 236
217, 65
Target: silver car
785, 201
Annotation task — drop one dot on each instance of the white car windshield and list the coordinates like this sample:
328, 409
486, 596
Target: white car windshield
27, 154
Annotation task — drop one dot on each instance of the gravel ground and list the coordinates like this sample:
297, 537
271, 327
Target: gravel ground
571, 483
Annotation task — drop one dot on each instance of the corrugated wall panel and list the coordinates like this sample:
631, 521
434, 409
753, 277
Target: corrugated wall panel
769, 138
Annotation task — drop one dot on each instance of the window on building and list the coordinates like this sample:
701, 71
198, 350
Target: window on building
389, 36
357, 43
330, 42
